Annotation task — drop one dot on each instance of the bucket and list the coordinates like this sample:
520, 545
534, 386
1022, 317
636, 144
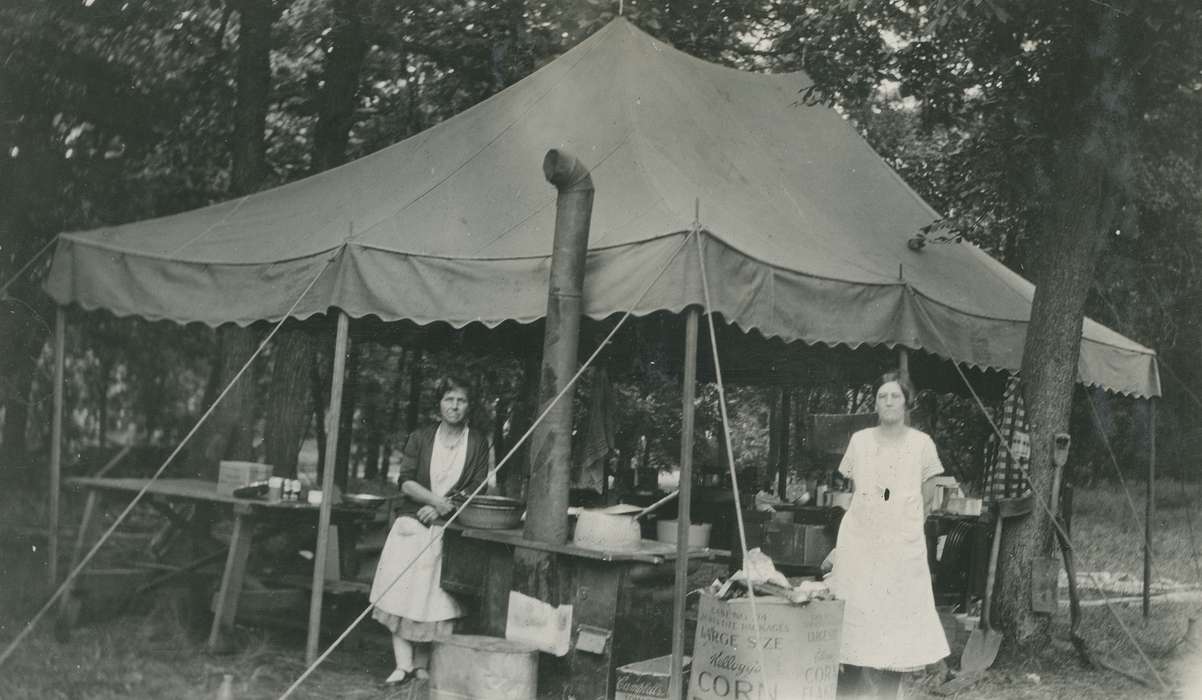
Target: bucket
699, 535
472, 667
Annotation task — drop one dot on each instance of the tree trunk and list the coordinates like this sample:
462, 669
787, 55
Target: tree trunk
336, 102
288, 394
320, 403
1086, 177
229, 431
286, 414
249, 147
346, 418
786, 437
413, 406
517, 470
373, 422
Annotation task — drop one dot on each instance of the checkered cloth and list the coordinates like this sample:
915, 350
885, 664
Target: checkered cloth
1005, 470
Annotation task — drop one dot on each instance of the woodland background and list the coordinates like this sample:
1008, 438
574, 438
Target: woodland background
119, 110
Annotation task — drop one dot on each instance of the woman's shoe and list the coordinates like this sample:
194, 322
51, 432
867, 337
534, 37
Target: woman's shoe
398, 677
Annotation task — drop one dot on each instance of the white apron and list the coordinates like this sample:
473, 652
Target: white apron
417, 594
889, 620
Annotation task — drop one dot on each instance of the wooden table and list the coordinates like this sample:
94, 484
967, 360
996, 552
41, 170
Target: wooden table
164, 495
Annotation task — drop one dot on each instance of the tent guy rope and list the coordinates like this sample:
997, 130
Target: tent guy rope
730, 458
492, 472
29, 626
28, 264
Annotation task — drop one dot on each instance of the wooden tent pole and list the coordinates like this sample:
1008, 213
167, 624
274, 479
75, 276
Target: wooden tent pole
688, 393
1149, 506
56, 443
327, 488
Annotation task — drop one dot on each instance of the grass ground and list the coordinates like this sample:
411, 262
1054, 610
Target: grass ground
156, 649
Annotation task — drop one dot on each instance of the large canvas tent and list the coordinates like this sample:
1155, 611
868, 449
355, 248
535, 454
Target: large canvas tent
804, 228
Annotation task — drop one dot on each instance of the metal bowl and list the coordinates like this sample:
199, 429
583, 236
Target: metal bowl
490, 512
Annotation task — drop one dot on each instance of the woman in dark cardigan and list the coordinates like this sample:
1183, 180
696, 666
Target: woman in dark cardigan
438, 460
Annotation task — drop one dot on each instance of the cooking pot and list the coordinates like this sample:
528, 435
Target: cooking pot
489, 512
699, 533
608, 528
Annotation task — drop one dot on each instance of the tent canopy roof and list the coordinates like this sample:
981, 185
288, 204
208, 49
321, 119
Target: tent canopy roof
802, 227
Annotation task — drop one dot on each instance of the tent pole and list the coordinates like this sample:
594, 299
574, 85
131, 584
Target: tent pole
327, 488
903, 362
56, 442
1149, 506
688, 393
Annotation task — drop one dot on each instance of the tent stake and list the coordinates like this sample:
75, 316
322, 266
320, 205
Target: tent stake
688, 394
327, 488
56, 443
1149, 506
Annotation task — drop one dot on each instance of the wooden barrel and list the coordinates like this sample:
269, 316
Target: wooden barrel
465, 666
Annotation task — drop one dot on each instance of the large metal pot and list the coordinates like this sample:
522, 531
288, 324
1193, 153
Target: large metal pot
489, 512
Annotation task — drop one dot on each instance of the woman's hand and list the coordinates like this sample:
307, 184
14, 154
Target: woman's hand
443, 506
427, 515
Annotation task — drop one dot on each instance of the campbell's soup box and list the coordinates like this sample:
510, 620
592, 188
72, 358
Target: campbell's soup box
791, 651
647, 680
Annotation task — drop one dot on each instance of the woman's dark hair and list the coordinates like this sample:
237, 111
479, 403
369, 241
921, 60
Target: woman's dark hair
447, 383
896, 376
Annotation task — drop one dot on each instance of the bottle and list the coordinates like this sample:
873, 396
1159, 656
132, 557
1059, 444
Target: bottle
275, 489
226, 691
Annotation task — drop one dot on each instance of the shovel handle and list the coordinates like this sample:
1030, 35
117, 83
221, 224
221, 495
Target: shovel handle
992, 576
657, 504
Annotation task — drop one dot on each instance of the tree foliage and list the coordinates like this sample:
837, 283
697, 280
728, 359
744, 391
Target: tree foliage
1020, 121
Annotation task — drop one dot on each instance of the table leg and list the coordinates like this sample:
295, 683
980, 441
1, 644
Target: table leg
231, 583
68, 605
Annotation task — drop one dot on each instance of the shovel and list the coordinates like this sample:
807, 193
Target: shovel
1045, 573
984, 642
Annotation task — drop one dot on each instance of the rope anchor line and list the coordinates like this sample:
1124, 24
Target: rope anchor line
62, 587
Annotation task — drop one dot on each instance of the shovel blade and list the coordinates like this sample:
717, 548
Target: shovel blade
980, 651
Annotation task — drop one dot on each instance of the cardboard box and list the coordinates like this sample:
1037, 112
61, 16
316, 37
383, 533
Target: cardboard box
647, 680
792, 651
233, 475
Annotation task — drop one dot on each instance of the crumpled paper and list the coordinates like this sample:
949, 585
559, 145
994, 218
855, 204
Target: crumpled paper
759, 573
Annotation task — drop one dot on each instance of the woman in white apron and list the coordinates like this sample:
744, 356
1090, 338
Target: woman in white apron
890, 625
438, 460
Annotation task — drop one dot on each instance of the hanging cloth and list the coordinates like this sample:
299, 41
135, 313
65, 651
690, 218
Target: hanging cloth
1005, 470
597, 438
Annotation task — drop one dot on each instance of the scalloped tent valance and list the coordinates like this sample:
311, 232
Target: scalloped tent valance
804, 228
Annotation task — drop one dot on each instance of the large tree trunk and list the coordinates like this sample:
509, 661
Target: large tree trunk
287, 413
336, 101
296, 350
1085, 177
228, 433
249, 147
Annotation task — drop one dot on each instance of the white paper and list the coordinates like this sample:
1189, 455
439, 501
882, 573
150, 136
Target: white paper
538, 624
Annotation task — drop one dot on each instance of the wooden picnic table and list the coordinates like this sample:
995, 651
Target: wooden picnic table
166, 495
